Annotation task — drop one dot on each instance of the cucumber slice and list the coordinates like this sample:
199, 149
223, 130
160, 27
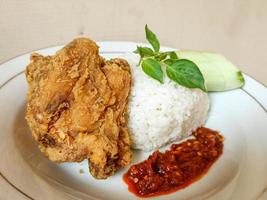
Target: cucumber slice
219, 73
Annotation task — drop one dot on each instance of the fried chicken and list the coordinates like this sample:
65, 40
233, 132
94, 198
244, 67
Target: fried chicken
76, 107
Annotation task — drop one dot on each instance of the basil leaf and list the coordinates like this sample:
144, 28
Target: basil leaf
153, 69
186, 73
144, 51
170, 61
172, 55
152, 39
161, 56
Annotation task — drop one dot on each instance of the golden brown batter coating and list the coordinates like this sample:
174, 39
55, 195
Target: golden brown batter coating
76, 106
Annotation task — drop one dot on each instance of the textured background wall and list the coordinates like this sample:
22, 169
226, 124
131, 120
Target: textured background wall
235, 28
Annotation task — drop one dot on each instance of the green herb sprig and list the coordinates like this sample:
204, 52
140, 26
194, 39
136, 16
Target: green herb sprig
182, 71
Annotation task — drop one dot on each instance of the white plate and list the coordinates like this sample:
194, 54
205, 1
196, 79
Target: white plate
241, 172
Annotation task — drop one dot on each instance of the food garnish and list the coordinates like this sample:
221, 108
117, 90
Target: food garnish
182, 71
219, 73
191, 69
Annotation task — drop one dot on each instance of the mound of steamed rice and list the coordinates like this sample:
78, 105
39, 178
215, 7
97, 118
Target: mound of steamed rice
162, 113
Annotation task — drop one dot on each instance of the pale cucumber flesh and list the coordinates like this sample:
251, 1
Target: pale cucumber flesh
219, 73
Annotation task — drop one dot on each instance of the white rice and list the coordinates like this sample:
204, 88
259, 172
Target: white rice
162, 113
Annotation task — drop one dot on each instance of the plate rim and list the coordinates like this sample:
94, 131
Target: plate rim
2, 64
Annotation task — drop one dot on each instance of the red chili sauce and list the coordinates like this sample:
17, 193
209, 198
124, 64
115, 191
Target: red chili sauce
177, 168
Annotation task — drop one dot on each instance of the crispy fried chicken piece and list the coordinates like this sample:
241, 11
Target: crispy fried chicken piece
76, 107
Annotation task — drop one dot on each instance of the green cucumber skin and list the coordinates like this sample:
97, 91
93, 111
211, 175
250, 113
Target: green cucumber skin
219, 73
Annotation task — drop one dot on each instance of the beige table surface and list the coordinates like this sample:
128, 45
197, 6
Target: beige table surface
235, 28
